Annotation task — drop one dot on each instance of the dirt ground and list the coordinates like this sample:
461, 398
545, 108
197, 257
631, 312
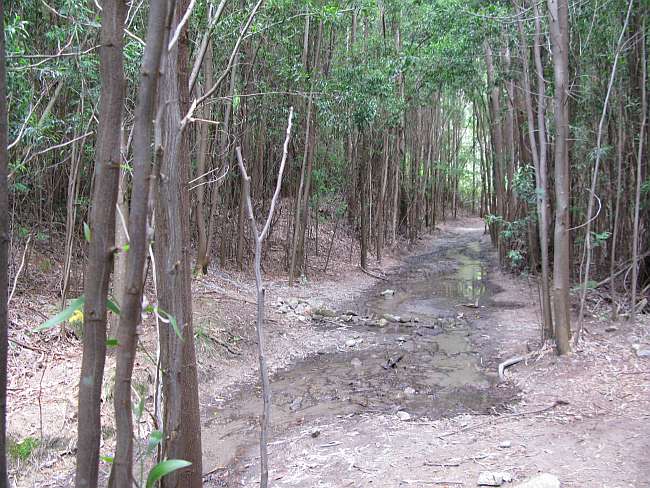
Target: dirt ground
583, 418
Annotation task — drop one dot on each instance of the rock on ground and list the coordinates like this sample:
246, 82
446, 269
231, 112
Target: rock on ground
542, 481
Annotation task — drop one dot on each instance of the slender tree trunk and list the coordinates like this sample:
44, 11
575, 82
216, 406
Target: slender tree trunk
121, 239
202, 258
639, 174
131, 304
559, 30
100, 252
182, 426
4, 257
620, 145
549, 329
381, 227
547, 325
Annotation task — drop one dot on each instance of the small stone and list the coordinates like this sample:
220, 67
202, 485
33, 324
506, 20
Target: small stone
489, 478
324, 312
542, 481
382, 322
293, 302
505, 445
406, 320
611, 328
295, 404
391, 318
643, 353
356, 363
403, 416
351, 342
388, 293
315, 434
409, 392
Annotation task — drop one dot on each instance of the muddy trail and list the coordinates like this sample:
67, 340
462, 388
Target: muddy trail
411, 355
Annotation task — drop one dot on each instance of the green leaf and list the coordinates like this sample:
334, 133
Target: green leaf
113, 306
172, 321
86, 232
112, 343
155, 438
107, 459
63, 315
126, 247
164, 468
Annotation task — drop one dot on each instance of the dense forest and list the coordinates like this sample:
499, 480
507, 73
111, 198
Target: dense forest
145, 145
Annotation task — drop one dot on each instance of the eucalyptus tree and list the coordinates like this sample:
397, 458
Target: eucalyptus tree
101, 246
4, 257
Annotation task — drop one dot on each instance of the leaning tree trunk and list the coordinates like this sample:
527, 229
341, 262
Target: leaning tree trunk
559, 30
181, 422
4, 257
100, 252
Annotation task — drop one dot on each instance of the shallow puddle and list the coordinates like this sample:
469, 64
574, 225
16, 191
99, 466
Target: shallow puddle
425, 368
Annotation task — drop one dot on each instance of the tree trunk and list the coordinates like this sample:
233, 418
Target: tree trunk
181, 422
202, 158
131, 299
559, 33
4, 257
539, 162
100, 252
639, 173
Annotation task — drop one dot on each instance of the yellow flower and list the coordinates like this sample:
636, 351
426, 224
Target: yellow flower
77, 318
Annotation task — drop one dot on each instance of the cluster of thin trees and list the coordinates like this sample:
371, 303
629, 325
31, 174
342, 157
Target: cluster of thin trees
583, 132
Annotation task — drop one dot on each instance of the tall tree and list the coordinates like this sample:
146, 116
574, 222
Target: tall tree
4, 256
102, 240
131, 312
559, 33
181, 420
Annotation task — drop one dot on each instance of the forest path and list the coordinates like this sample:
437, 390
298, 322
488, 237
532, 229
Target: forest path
420, 364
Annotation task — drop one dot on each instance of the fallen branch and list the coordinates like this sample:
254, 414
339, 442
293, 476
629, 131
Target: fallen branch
507, 363
372, 274
557, 403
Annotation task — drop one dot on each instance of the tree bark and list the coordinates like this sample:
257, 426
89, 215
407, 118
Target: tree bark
181, 420
4, 257
639, 174
559, 33
101, 248
131, 304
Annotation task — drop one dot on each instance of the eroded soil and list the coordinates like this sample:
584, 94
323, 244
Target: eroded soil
336, 417
343, 416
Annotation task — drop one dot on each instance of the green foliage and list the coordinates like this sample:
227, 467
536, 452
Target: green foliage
516, 258
163, 469
599, 238
524, 184
22, 450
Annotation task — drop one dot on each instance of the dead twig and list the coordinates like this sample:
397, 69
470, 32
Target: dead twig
557, 403
259, 237
20, 269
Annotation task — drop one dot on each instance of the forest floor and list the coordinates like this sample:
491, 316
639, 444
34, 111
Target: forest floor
373, 390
